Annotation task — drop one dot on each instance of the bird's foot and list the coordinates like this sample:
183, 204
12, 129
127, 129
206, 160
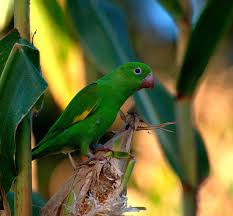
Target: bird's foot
90, 155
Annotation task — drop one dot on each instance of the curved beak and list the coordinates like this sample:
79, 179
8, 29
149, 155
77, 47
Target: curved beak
148, 82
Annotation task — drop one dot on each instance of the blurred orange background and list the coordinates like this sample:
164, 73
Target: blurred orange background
153, 184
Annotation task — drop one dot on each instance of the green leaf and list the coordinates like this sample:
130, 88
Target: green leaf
128, 171
173, 7
6, 45
37, 203
102, 32
213, 22
21, 85
69, 203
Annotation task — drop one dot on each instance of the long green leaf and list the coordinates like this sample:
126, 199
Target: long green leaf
6, 45
213, 22
21, 85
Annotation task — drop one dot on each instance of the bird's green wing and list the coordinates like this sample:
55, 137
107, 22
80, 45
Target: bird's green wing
82, 105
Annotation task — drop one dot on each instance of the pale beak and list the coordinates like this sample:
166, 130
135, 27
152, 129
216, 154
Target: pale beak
148, 82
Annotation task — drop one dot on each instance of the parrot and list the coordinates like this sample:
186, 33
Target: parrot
93, 110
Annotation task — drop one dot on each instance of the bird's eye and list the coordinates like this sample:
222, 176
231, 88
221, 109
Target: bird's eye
137, 71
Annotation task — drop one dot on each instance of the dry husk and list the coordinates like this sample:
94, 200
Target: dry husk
96, 187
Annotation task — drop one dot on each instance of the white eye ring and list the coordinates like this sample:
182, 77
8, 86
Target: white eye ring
138, 71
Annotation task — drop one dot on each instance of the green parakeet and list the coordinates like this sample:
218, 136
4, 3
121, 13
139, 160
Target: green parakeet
93, 110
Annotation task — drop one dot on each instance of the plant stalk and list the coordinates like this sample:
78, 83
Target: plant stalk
188, 155
187, 148
23, 189
189, 199
23, 183
21, 18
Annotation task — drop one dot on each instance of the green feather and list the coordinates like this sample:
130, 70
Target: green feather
92, 111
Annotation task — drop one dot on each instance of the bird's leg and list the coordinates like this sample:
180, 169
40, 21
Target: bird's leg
90, 155
72, 161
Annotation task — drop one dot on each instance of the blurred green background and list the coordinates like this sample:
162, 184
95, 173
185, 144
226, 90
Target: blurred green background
68, 63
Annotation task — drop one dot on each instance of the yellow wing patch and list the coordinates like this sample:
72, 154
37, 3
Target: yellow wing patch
84, 114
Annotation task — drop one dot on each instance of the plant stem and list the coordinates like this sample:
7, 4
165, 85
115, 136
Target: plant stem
187, 148
23, 187
189, 198
21, 18
23, 191
188, 155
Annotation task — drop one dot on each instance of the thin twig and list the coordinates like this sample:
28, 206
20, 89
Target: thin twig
160, 126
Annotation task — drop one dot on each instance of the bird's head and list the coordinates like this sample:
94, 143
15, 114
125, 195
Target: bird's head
136, 74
